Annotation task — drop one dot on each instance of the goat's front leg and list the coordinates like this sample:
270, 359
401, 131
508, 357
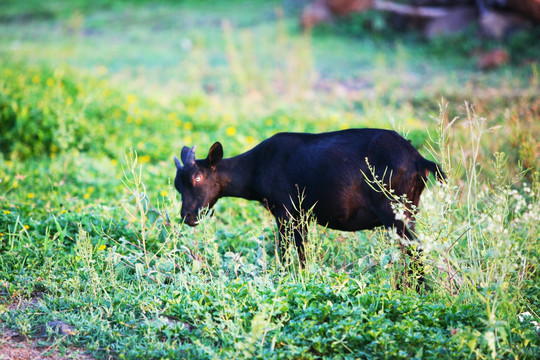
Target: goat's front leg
288, 228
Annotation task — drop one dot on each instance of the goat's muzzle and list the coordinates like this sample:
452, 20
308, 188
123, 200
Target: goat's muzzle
190, 218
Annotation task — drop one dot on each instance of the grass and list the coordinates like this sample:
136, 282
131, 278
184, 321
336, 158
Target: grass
94, 103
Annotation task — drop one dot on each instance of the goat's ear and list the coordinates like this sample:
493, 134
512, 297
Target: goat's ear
215, 154
178, 163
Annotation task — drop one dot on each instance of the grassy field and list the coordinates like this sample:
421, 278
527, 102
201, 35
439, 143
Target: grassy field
97, 97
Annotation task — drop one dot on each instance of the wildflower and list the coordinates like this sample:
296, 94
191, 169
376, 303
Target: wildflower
50, 82
231, 131
35, 79
144, 159
86, 196
191, 110
102, 247
188, 126
7, 212
69, 101
172, 116
269, 122
129, 119
114, 162
130, 98
31, 195
163, 193
26, 227
250, 139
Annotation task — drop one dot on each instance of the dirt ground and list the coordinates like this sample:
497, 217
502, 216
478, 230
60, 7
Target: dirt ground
14, 346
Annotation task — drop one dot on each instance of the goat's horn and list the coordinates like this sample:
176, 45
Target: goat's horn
188, 155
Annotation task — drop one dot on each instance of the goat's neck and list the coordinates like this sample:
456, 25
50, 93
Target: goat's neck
236, 175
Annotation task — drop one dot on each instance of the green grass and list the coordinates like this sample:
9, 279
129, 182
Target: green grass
96, 100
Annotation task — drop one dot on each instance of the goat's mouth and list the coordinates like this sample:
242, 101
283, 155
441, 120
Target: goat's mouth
191, 222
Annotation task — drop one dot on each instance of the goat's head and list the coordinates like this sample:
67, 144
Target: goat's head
198, 182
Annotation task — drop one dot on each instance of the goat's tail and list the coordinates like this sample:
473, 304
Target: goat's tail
426, 166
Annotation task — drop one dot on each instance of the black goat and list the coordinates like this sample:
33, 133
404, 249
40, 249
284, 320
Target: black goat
292, 173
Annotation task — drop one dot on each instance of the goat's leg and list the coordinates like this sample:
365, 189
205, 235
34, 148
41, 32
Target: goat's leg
405, 230
288, 228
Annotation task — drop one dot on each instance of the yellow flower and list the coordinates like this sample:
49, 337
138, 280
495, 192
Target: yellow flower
26, 227
91, 189
188, 126
35, 79
114, 161
144, 159
102, 247
163, 193
250, 139
7, 212
31, 195
86, 196
130, 98
269, 122
172, 116
231, 131
50, 82
69, 101
63, 211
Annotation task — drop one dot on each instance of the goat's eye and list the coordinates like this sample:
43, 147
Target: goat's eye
198, 178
